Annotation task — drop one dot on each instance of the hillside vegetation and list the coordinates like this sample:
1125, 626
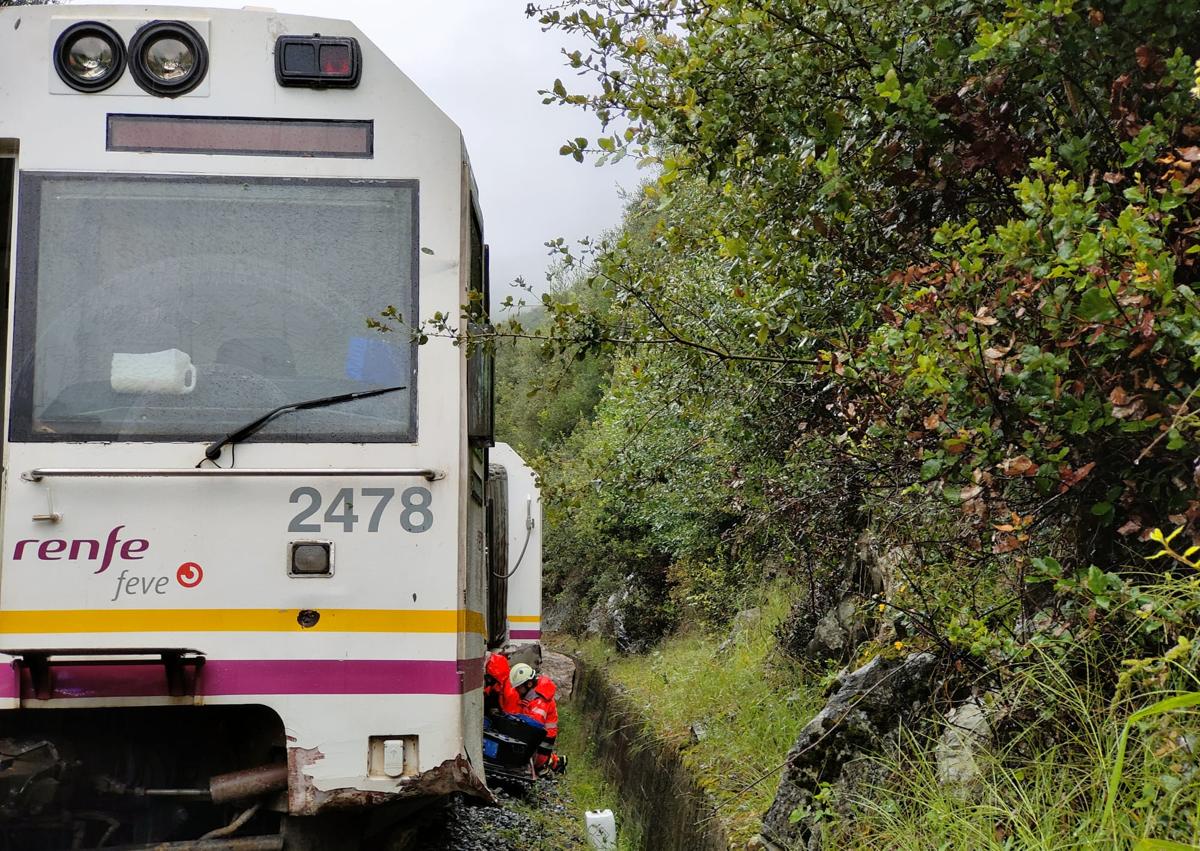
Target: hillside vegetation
903, 320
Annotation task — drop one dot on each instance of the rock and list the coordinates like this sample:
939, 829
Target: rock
839, 631
745, 619
635, 616
530, 654
741, 622
968, 727
556, 614
560, 669
829, 639
698, 732
599, 621
607, 619
862, 716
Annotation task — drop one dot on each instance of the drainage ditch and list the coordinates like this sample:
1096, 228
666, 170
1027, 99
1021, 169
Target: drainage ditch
655, 788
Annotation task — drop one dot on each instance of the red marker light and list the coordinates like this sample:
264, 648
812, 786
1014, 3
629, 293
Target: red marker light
318, 62
335, 59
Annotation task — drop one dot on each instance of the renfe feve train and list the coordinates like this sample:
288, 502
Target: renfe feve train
245, 588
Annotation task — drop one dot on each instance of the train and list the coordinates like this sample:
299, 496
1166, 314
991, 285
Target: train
254, 536
516, 555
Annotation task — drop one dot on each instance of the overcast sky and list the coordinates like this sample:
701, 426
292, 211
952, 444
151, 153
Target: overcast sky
482, 62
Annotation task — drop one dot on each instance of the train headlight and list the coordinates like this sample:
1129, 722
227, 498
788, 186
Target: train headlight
89, 56
168, 58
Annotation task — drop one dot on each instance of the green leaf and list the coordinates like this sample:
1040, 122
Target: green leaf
1179, 701
834, 122
889, 89
1096, 304
945, 49
930, 469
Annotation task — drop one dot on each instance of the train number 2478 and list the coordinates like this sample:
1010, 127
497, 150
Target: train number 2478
416, 513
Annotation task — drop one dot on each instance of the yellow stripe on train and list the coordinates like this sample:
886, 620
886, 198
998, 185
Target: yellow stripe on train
524, 618
238, 620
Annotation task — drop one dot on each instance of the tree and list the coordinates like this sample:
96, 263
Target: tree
949, 244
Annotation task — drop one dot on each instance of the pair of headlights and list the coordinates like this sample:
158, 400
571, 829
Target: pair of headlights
166, 58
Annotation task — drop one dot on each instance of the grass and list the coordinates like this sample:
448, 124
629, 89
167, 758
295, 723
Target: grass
557, 805
1117, 777
584, 783
746, 702
1084, 770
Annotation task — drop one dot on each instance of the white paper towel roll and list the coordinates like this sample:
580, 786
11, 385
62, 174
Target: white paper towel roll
169, 373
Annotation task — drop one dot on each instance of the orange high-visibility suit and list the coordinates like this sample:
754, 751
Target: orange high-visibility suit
498, 693
540, 705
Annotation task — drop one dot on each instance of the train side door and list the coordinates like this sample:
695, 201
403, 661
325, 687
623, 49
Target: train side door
8, 193
497, 555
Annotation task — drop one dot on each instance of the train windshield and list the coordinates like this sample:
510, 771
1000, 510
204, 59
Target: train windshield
173, 308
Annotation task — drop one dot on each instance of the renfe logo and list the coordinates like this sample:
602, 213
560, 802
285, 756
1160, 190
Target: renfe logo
84, 549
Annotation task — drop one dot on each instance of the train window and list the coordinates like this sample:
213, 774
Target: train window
8, 173
481, 369
176, 308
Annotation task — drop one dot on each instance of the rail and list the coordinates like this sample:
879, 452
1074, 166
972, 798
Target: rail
39, 474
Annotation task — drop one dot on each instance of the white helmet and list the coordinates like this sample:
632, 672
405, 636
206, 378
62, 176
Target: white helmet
520, 674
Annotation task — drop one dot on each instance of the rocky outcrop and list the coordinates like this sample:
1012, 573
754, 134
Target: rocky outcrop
742, 622
840, 612
633, 616
868, 706
560, 669
968, 728
842, 629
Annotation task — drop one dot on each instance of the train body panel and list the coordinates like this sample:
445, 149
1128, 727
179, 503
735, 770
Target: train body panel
145, 282
524, 546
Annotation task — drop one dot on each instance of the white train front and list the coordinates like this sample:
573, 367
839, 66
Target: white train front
199, 211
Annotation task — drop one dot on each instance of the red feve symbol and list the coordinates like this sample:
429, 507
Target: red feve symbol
189, 574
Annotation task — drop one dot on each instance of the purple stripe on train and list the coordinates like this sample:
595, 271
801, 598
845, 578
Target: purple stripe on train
263, 677
10, 682
524, 633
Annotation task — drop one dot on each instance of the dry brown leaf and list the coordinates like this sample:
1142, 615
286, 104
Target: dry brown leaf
1129, 527
1071, 477
1019, 466
1130, 411
970, 492
981, 317
1005, 544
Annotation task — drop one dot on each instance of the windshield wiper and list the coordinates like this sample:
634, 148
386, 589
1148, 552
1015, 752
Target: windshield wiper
213, 452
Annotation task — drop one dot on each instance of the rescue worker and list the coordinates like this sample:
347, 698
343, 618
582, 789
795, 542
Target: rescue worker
537, 701
498, 693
